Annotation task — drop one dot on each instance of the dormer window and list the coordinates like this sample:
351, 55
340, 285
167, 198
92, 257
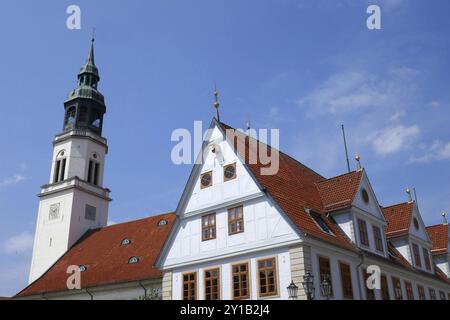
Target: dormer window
320, 222
416, 254
378, 239
82, 268
426, 258
363, 235
133, 260
162, 222
126, 242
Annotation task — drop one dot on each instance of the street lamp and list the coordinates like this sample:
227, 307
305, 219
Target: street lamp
292, 290
325, 286
308, 285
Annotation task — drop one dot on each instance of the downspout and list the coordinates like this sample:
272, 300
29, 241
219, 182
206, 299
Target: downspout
90, 294
361, 257
145, 289
44, 297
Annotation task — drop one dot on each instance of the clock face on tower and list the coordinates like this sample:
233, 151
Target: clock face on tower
54, 212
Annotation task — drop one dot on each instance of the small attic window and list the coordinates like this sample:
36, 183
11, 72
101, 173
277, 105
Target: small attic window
126, 242
206, 180
133, 260
163, 222
416, 223
365, 195
320, 222
82, 268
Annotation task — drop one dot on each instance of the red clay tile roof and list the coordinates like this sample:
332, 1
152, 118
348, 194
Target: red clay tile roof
293, 188
399, 218
339, 192
106, 259
439, 237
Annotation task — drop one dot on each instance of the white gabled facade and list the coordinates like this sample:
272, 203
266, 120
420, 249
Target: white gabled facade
267, 232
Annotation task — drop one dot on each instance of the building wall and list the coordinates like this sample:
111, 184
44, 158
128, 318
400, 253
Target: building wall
51, 237
335, 258
263, 227
124, 291
78, 151
283, 262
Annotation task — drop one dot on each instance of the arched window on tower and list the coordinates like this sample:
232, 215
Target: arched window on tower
83, 115
96, 122
94, 170
60, 167
70, 116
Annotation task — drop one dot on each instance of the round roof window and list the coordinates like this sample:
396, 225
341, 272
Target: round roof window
416, 223
163, 222
365, 195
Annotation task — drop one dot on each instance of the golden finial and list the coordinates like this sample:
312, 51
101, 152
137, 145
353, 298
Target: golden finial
216, 102
408, 192
358, 160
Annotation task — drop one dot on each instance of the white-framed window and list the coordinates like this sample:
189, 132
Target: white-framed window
94, 170
59, 172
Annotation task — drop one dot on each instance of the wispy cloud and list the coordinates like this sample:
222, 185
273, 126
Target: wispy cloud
393, 139
434, 104
360, 91
20, 243
10, 181
437, 151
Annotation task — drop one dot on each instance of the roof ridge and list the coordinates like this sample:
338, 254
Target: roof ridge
281, 152
437, 225
397, 204
338, 176
136, 220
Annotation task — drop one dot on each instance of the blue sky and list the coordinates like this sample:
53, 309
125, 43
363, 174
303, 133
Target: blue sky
302, 66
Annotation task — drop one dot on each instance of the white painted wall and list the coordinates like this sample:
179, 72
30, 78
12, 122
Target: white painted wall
54, 238
123, 291
373, 207
78, 151
263, 226
345, 222
335, 257
220, 191
283, 274
404, 275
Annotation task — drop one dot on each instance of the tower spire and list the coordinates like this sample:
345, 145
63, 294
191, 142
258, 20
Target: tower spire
91, 52
85, 105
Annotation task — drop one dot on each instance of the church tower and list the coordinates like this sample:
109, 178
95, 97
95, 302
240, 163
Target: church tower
74, 200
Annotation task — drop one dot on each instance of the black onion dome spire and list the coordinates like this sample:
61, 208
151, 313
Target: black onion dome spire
85, 106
